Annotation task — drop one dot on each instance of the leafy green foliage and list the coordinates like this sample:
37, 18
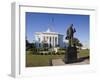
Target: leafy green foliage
77, 42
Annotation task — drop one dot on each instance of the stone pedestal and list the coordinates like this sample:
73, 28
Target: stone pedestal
71, 55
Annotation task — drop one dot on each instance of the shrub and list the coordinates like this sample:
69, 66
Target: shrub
49, 53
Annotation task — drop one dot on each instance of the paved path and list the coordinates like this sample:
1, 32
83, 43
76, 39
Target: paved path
57, 62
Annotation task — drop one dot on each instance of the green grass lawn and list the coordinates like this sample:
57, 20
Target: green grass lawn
84, 53
40, 60
45, 60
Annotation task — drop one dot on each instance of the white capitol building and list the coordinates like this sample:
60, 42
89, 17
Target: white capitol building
51, 39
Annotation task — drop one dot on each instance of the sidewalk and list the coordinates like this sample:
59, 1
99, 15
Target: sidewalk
57, 62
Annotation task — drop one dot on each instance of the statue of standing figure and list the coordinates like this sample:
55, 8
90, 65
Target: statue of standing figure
71, 51
70, 35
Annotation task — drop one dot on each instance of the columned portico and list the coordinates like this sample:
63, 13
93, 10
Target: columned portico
51, 39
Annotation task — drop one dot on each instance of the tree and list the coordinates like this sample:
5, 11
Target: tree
80, 45
30, 46
34, 49
27, 44
77, 43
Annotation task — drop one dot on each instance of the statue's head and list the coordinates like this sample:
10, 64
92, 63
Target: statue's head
71, 25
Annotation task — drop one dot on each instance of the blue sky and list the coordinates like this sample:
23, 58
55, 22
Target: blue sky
40, 22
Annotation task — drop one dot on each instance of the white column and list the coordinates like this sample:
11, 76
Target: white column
54, 41
41, 38
57, 40
48, 41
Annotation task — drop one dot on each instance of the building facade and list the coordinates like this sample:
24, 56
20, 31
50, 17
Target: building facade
48, 39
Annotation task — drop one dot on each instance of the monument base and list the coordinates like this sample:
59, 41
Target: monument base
71, 55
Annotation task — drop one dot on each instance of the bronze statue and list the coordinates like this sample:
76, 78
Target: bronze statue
70, 34
71, 51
